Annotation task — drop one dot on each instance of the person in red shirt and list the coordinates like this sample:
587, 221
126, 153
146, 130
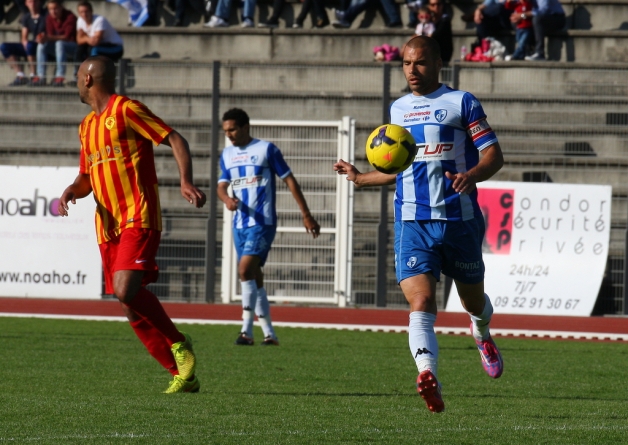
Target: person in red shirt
57, 42
117, 166
522, 19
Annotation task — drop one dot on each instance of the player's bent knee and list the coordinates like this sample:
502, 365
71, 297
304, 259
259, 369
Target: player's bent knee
124, 294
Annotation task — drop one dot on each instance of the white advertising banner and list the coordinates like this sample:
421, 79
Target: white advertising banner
545, 247
43, 254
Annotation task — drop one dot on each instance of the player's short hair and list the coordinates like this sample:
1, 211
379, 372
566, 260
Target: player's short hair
105, 71
423, 42
86, 4
238, 115
55, 2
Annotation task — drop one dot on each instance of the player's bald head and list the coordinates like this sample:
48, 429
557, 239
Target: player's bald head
424, 43
102, 71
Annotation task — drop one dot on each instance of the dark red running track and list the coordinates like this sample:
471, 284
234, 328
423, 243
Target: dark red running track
326, 315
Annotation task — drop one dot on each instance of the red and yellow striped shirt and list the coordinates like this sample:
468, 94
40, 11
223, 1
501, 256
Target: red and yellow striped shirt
117, 154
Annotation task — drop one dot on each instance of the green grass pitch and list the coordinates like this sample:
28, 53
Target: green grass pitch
80, 382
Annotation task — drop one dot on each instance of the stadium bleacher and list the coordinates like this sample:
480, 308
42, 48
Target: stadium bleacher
597, 32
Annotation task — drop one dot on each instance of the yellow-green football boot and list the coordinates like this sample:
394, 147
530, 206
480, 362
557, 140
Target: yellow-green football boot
181, 385
184, 357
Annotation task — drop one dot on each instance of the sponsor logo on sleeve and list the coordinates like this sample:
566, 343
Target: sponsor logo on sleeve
478, 129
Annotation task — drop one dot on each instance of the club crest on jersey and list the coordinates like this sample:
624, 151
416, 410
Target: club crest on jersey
440, 115
254, 159
411, 262
110, 122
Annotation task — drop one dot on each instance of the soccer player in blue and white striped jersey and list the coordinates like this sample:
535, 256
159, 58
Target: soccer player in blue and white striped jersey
438, 223
250, 166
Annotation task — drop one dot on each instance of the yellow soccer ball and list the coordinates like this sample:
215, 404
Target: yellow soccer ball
390, 149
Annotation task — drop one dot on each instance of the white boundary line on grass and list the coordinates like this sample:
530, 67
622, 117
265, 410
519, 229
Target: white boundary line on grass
352, 327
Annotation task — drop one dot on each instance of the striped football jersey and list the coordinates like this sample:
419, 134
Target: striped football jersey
251, 172
450, 129
117, 154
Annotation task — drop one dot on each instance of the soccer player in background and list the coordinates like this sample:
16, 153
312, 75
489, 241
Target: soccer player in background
117, 165
438, 223
250, 166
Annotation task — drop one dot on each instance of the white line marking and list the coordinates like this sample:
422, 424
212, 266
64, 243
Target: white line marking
351, 327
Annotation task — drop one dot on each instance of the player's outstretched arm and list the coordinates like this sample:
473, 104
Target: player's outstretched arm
370, 179
311, 225
80, 188
491, 162
181, 151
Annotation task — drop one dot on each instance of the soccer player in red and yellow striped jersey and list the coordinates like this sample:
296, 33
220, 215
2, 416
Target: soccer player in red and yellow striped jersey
117, 154
117, 165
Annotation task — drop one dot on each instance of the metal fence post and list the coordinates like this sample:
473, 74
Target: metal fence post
122, 73
212, 222
456, 76
625, 299
382, 229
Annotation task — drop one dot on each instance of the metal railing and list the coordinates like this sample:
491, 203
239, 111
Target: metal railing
563, 123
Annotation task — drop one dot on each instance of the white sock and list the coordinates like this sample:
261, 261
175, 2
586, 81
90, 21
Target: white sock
481, 322
262, 310
249, 298
423, 343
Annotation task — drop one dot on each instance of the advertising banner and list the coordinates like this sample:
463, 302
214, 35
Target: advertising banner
545, 247
41, 253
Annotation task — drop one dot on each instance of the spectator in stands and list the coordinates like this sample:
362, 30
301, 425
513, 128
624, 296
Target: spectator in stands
152, 12
179, 11
442, 15
413, 9
346, 17
524, 35
33, 24
546, 17
426, 26
95, 36
321, 19
58, 41
491, 19
223, 11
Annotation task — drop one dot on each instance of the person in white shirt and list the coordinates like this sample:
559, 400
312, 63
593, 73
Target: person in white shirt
95, 36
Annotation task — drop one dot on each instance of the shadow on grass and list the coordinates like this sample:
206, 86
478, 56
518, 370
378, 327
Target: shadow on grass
326, 394
534, 397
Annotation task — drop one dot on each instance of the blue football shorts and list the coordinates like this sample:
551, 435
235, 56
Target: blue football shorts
451, 247
255, 240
